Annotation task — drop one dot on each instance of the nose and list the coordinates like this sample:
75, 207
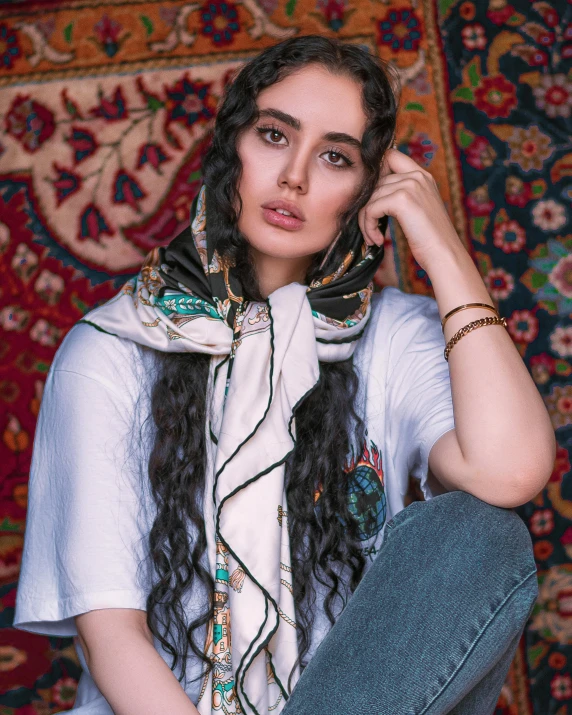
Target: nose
294, 173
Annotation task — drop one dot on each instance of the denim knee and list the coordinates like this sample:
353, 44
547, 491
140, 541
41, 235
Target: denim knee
480, 534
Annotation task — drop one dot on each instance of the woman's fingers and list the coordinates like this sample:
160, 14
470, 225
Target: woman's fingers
417, 175
400, 163
402, 179
388, 201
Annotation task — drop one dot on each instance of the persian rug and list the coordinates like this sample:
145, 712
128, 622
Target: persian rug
105, 107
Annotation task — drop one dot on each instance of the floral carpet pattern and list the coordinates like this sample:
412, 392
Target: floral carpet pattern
105, 108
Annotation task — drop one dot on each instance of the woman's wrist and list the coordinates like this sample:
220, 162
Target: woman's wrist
457, 281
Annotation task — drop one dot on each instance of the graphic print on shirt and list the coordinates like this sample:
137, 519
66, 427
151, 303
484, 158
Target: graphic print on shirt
367, 500
367, 497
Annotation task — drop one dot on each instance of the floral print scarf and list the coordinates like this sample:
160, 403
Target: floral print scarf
265, 360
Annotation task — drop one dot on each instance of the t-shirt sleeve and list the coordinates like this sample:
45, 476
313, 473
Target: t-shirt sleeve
83, 543
419, 401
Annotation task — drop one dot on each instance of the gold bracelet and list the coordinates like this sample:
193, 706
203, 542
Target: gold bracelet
468, 328
467, 305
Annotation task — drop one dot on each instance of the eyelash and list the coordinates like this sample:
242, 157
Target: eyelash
349, 162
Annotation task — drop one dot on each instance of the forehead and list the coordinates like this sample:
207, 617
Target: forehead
314, 96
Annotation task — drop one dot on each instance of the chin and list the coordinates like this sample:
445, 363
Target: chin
281, 252
277, 242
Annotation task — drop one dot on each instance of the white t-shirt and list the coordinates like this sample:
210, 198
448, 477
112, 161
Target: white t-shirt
90, 508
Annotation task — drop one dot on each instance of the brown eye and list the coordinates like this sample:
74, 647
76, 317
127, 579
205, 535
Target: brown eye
276, 133
334, 160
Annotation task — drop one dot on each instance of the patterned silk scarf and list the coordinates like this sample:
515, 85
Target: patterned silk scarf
264, 361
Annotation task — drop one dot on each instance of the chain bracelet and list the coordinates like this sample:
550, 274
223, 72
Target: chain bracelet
468, 328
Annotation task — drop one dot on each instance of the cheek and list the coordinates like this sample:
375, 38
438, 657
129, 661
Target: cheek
256, 172
329, 199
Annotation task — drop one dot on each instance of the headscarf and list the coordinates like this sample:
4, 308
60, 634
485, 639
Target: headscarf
265, 360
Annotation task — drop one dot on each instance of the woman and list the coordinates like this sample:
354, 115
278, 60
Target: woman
242, 421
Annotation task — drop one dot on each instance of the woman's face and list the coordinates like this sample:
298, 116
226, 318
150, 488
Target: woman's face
304, 149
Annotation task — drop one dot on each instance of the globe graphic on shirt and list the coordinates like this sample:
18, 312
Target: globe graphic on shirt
367, 501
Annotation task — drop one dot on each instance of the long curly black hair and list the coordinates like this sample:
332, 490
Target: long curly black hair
324, 535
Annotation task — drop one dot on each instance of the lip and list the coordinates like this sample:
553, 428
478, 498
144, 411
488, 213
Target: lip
290, 223
287, 206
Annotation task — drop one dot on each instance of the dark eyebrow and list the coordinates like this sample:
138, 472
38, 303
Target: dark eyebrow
291, 121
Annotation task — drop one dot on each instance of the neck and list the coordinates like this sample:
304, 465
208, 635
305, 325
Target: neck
273, 273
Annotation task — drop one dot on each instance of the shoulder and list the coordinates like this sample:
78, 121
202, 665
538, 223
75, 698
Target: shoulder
402, 325
395, 307
112, 361
398, 317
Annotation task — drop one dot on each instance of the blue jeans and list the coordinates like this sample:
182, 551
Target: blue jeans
433, 626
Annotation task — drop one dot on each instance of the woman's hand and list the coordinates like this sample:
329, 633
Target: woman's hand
409, 193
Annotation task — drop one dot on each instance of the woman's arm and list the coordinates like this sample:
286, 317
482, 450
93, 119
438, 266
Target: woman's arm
125, 665
502, 449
